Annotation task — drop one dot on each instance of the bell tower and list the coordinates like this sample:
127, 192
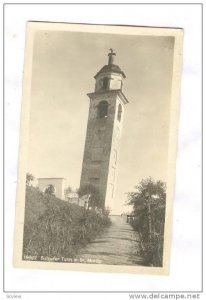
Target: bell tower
102, 145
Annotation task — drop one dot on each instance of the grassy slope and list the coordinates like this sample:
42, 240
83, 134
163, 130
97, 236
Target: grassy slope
53, 227
37, 203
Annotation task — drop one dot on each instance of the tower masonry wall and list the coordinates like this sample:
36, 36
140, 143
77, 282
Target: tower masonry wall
102, 146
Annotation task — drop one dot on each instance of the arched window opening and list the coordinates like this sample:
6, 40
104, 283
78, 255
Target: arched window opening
105, 83
119, 114
121, 85
103, 109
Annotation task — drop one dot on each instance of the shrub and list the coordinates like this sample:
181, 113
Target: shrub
149, 202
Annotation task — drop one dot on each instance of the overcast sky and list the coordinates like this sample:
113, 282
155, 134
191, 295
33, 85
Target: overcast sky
64, 64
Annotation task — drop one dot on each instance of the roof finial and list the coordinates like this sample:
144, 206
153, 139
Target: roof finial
111, 56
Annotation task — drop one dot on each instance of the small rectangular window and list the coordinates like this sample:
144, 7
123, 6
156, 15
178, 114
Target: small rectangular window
119, 114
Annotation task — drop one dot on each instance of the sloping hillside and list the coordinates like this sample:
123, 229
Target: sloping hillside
54, 228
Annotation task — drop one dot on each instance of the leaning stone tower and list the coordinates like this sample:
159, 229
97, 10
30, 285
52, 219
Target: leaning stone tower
106, 113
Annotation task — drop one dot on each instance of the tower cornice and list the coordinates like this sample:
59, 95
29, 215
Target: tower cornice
118, 92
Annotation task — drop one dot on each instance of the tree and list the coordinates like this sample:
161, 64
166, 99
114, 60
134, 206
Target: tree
67, 191
94, 199
50, 190
148, 202
29, 179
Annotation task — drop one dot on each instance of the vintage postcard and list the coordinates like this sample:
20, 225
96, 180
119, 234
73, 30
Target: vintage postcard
98, 148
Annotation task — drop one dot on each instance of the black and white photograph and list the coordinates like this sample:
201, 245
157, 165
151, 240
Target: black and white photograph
98, 147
